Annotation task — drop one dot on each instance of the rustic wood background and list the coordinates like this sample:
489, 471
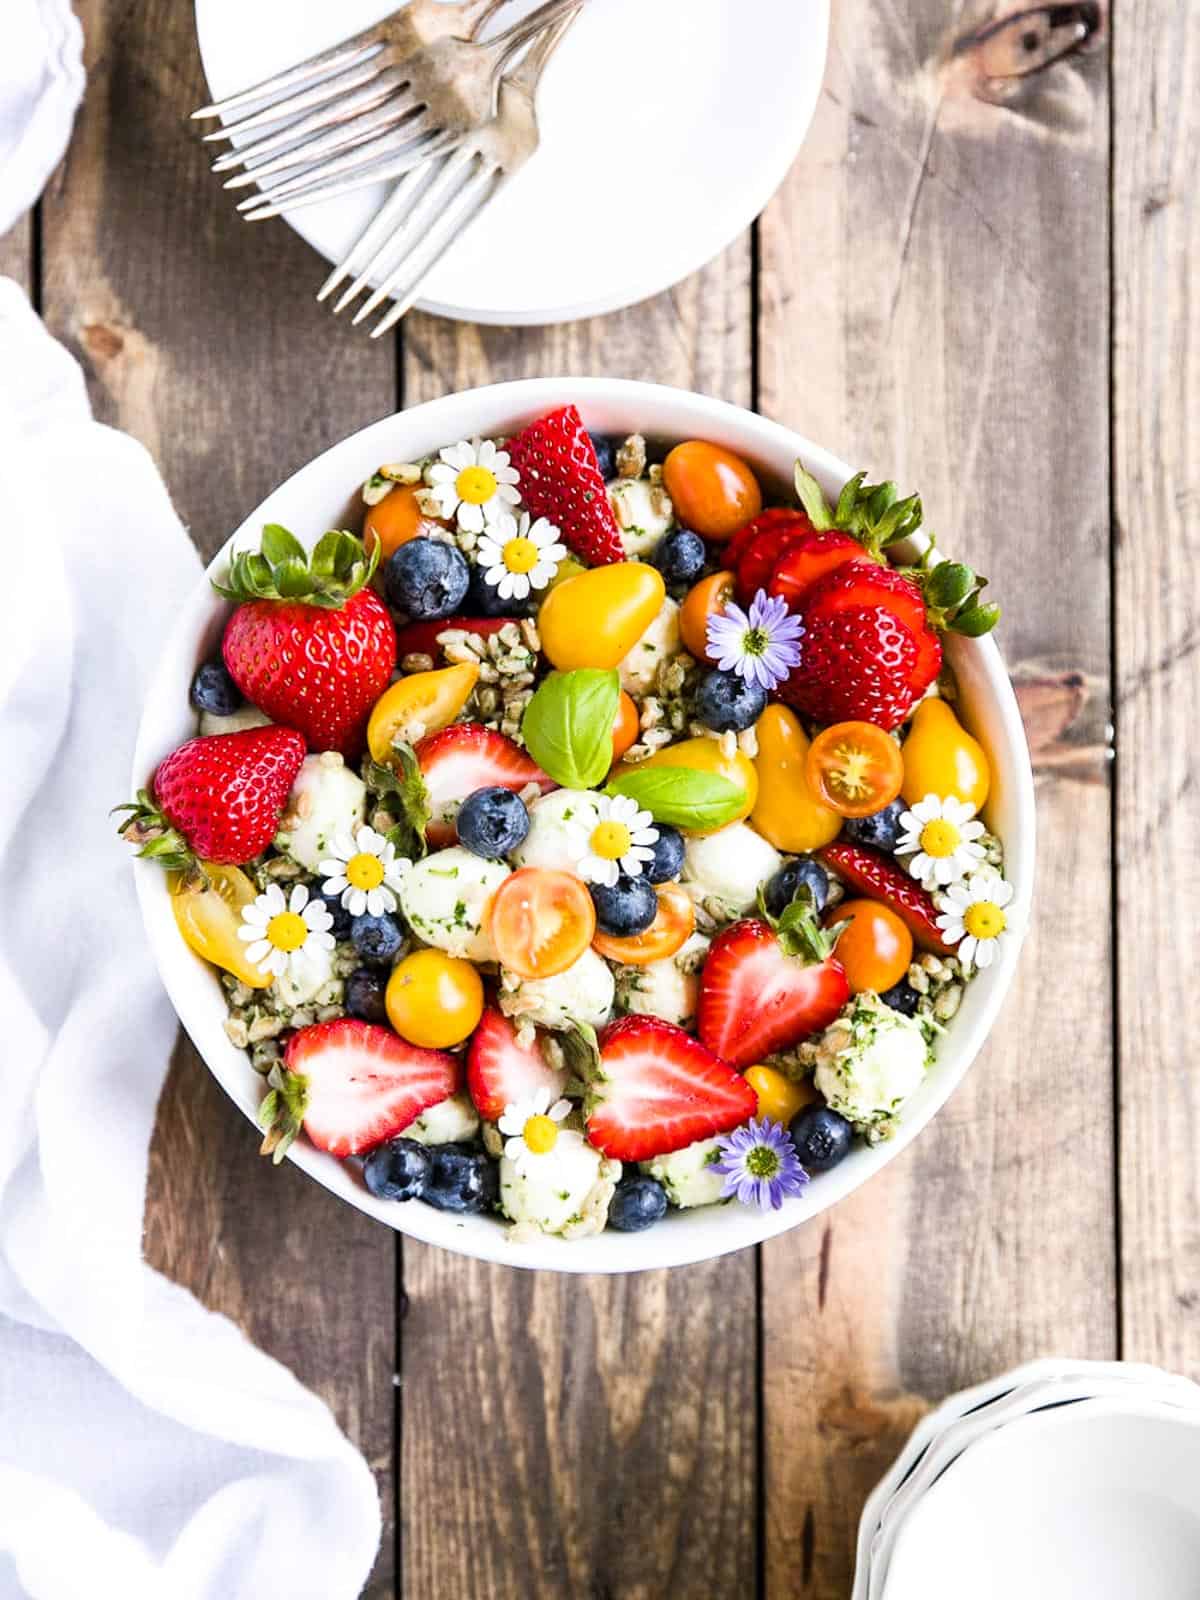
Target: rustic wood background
994, 303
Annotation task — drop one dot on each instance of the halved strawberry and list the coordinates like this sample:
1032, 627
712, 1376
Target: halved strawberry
464, 757
872, 874
806, 559
779, 518
421, 638
660, 1090
352, 1085
756, 998
561, 480
500, 1071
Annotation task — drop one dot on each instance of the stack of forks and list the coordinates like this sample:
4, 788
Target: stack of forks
418, 98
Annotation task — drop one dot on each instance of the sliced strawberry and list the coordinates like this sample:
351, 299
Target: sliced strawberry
500, 1071
561, 480
806, 559
363, 1084
756, 999
779, 518
464, 757
661, 1090
869, 873
421, 638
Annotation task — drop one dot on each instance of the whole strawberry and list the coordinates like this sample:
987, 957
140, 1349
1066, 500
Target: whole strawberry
311, 644
561, 480
218, 798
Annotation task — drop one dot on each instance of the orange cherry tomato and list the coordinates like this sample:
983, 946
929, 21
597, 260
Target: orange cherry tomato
419, 704
855, 768
395, 520
626, 726
670, 931
714, 492
541, 921
875, 949
708, 599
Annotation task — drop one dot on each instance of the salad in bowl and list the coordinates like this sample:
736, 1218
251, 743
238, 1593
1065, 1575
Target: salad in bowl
590, 833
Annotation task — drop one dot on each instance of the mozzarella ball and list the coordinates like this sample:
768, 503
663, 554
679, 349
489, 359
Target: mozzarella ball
729, 866
327, 799
550, 1191
687, 1175
583, 993
444, 898
548, 842
658, 644
449, 1122
668, 989
644, 514
235, 722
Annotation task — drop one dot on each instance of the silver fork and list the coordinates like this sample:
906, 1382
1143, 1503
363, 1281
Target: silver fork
379, 95
430, 210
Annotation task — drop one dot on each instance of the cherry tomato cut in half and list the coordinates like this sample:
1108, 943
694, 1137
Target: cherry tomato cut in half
855, 768
707, 599
541, 921
671, 929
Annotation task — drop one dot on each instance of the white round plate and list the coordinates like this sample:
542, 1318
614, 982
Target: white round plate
1099, 1499
666, 127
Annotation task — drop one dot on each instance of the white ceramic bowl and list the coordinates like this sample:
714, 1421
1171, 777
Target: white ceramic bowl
323, 495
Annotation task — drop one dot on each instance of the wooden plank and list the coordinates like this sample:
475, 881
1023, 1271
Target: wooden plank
934, 302
1156, 385
567, 1437
16, 252
201, 337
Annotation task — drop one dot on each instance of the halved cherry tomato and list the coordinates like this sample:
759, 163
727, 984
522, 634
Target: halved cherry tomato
626, 726
434, 1000
395, 520
855, 768
707, 599
541, 921
208, 912
670, 931
419, 704
714, 492
875, 949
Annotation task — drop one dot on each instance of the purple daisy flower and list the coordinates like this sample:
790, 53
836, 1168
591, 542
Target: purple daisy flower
761, 647
760, 1165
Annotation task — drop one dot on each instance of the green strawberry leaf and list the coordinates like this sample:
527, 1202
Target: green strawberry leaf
281, 1111
402, 791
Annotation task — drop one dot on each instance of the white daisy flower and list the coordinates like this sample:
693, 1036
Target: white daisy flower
280, 933
532, 1128
364, 871
619, 840
517, 555
474, 482
973, 917
939, 836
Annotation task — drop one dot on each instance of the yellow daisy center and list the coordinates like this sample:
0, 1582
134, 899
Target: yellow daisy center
364, 871
610, 840
520, 555
985, 920
287, 931
541, 1135
940, 838
475, 485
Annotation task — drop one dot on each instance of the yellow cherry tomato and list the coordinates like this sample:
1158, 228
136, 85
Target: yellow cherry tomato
714, 492
596, 618
854, 767
704, 755
787, 813
940, 757
419, 704
778, 1097
708, 598
434, 1000
209, 916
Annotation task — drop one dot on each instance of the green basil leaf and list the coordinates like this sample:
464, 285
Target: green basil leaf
682, 797
568, 726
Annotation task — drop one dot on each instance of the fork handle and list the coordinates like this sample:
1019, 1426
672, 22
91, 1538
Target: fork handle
507, 43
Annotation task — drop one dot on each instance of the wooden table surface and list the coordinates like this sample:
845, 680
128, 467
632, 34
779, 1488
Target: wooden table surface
994, 303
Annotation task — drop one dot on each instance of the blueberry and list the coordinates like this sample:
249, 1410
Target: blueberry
364, 995
426, 579
726, 703
214, 690
491, 822
483, 599
606, 454
397, 1170
822, 1138
626, 907
803, 870
880, 830
680, 557
342, 920
377, 939
902, 997
462, 1179
667, 861
637, 1203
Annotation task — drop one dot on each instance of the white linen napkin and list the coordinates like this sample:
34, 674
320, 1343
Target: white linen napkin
146, 1448
41, 81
